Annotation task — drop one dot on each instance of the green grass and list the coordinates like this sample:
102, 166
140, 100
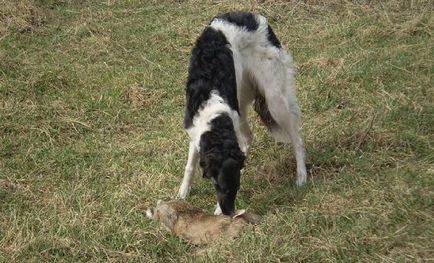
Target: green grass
91, 110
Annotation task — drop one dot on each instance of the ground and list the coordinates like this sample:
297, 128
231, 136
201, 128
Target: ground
91, 111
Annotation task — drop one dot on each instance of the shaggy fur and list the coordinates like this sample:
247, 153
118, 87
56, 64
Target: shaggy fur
237, 60
211, 69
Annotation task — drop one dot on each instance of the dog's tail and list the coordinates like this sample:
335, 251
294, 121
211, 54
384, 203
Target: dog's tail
262, 110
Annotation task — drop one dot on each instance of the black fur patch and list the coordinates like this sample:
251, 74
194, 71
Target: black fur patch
261, 108
211, 68
273, 38
241, 19
248, 21
219, 144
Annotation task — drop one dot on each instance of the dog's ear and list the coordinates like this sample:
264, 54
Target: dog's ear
210, 155
210, 164
235, 154
229, 178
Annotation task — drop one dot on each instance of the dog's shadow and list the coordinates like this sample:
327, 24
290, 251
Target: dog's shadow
268, 183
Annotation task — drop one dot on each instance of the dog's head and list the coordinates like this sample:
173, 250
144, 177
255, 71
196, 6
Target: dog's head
221, 160
227, 184
225, 174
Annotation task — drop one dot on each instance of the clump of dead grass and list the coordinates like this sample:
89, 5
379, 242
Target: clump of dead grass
415, 25
16, 189
335, 205
141, 98
324, 62
7, 185
19, 16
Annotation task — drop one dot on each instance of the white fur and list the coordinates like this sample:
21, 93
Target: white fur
213, 107
259, 67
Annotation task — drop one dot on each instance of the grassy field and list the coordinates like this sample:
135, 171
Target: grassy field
91, 110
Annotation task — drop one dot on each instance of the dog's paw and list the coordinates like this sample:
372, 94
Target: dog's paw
183, 191
301, 178
218, 211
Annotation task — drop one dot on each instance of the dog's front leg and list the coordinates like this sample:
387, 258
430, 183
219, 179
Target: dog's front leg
193, 157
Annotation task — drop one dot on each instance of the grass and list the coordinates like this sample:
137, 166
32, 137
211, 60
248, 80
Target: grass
91, 109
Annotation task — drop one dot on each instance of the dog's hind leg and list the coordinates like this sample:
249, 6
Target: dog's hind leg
193, 157
297, 142
287, 117
275, 82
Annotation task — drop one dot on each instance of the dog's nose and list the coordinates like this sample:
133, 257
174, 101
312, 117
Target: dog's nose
231, 213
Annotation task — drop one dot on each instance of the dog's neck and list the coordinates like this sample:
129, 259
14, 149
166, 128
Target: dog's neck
211, 109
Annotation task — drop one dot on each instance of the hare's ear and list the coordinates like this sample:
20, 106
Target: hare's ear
239, 213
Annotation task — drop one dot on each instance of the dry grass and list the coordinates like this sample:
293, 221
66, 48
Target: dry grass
19, 16
91, 109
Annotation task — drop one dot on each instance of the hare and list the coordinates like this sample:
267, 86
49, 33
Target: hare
196, 226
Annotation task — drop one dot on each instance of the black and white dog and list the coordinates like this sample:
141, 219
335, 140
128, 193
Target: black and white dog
237, 60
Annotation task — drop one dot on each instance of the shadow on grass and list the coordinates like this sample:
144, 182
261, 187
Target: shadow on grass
269, 184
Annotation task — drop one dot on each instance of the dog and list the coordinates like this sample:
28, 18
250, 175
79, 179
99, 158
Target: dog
237, 61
